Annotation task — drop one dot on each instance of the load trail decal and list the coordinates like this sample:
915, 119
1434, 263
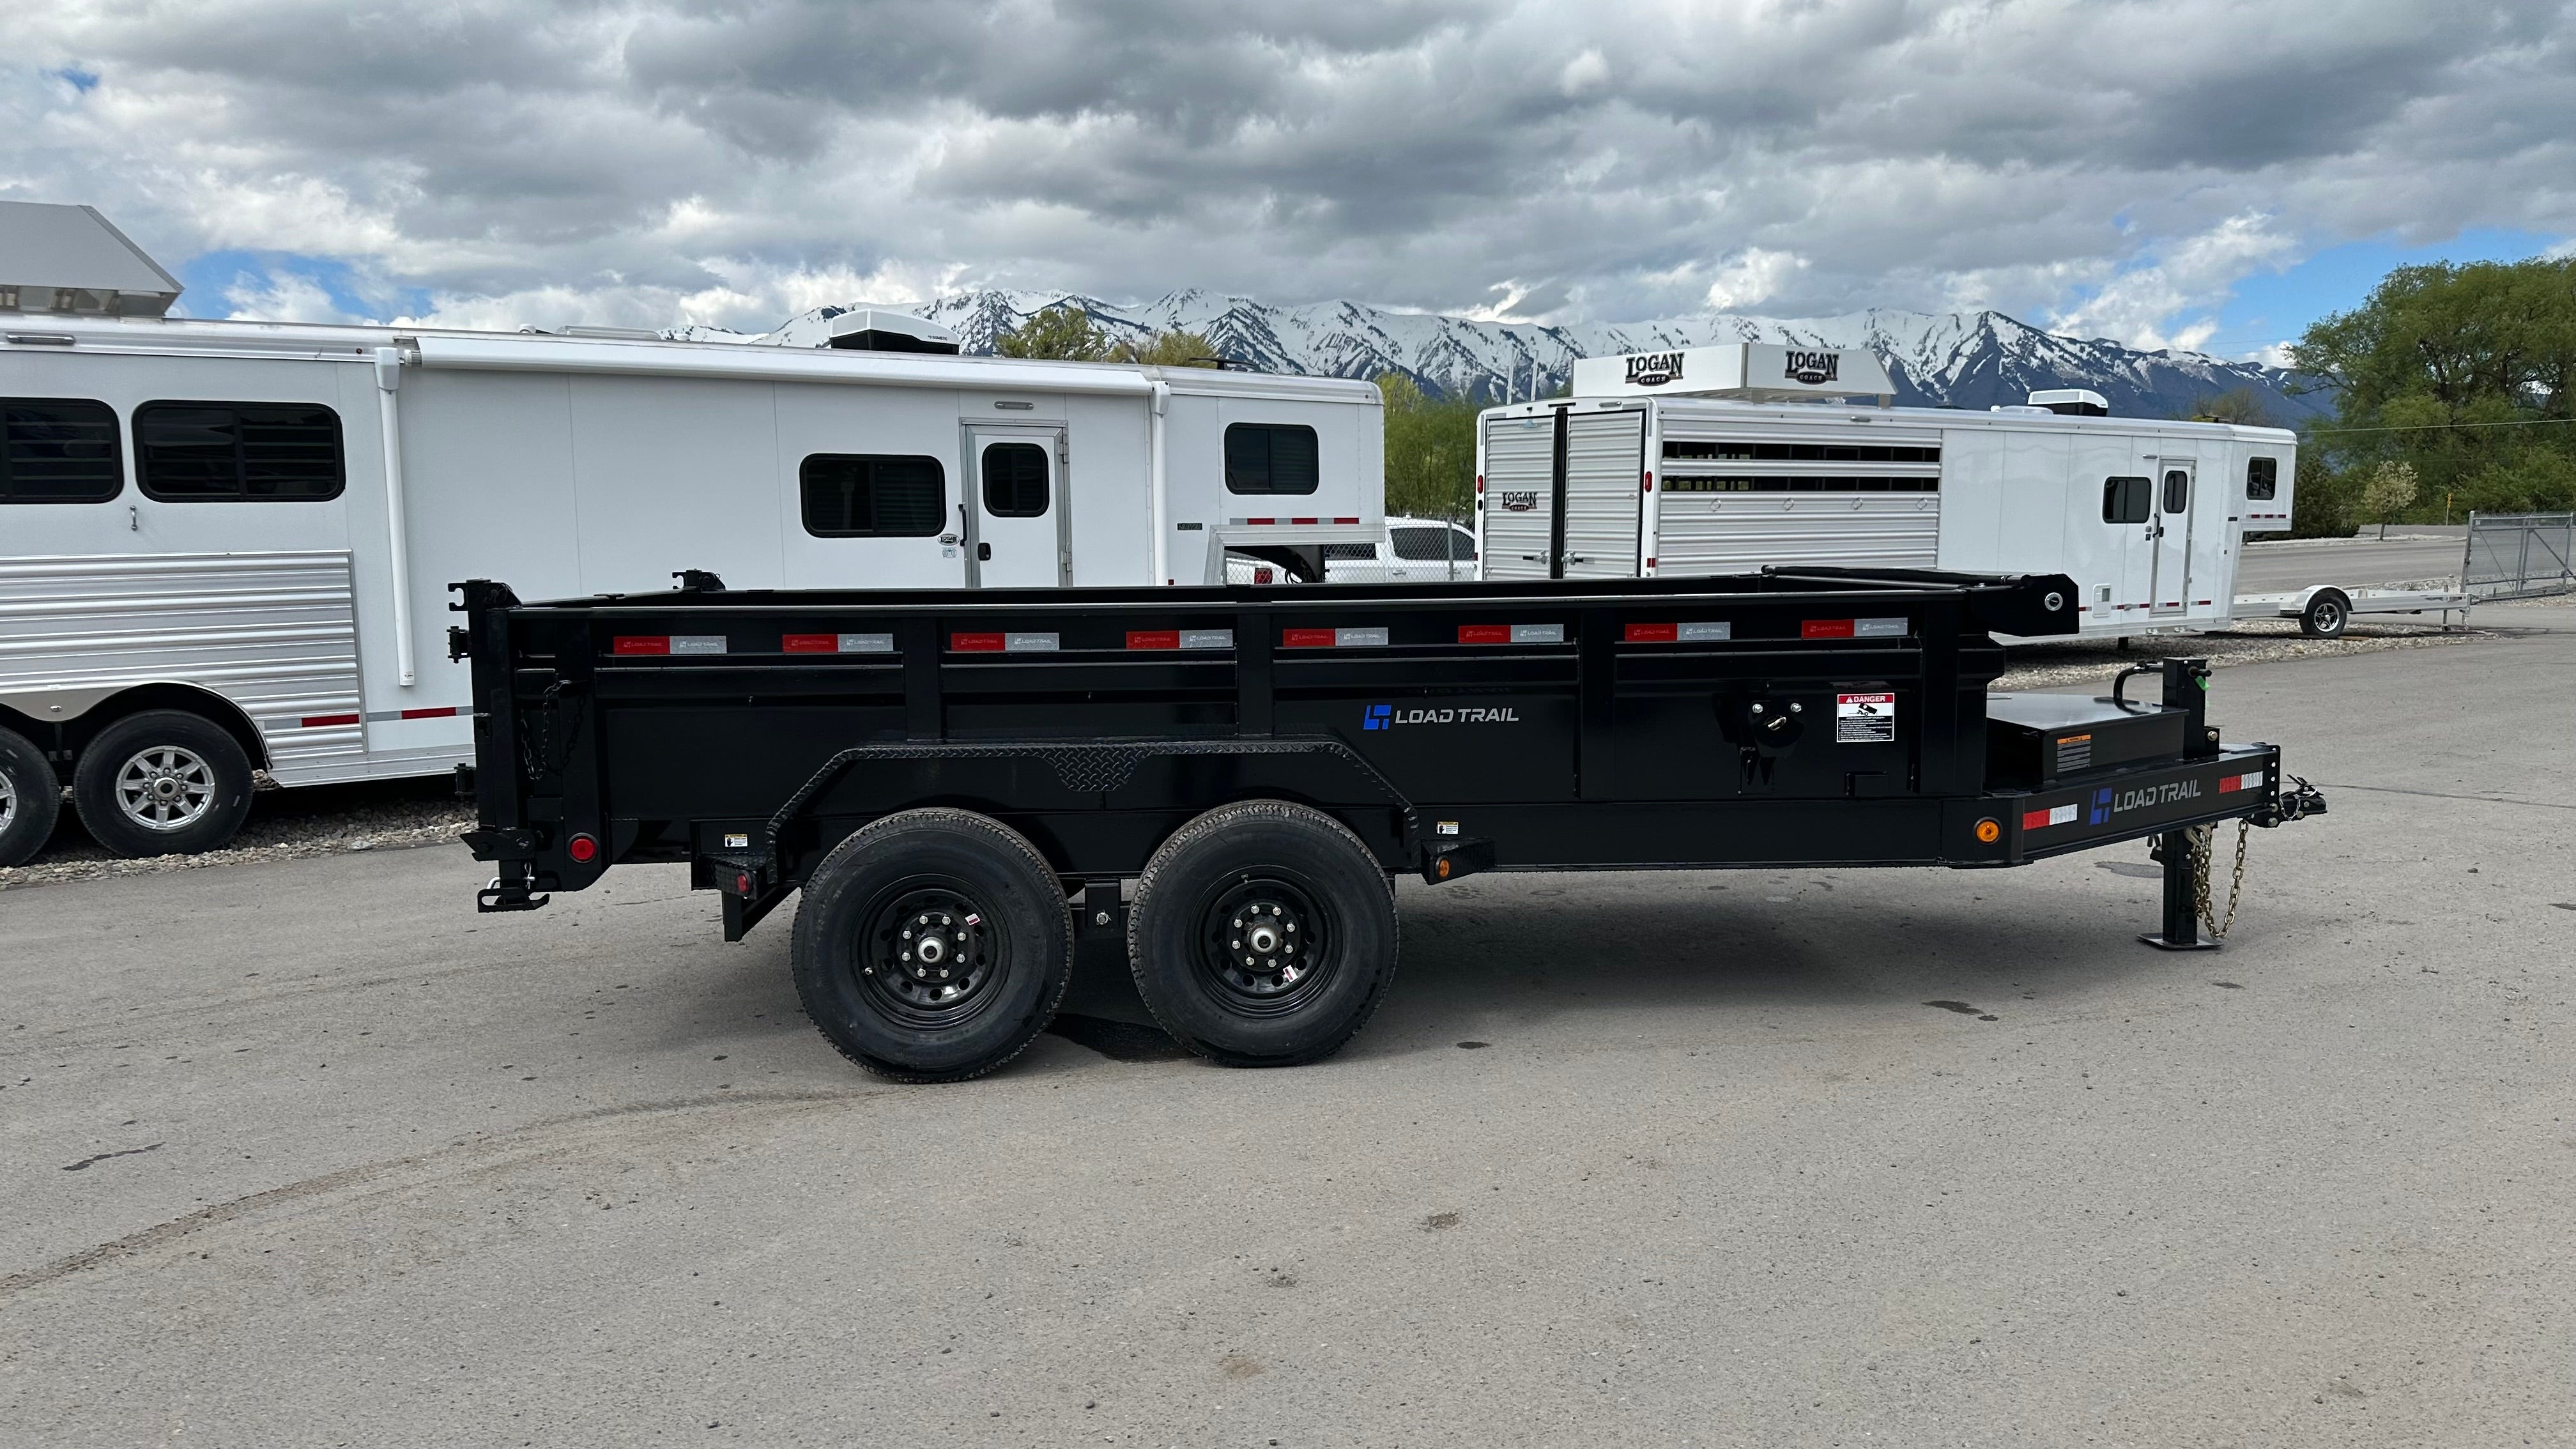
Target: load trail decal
1864, 719
1387, 716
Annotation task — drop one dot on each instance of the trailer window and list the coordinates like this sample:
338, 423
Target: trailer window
2177, 490
2262, 479
873, 495
1271, 458
1015, 480
2124, 500
227, 452
1350, 553
58, 450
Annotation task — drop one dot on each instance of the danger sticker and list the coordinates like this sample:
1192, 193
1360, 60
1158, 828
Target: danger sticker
1864, 719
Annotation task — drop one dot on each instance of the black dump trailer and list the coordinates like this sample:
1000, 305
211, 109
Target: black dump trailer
964, 783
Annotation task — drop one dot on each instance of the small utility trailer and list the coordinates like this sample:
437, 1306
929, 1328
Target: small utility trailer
965, 783
2322, 610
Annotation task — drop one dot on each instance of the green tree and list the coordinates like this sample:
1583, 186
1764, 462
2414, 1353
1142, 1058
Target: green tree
2462, 373
2390, 488
1063, 332
1168, 349
1430, 451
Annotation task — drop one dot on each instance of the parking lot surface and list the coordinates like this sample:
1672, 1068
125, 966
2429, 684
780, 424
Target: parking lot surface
309, 1153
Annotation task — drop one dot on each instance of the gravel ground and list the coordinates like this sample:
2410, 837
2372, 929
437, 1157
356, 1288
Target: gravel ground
385, 815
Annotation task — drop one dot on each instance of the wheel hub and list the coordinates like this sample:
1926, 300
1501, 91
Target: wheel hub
165, 788
930, 950
1261, 940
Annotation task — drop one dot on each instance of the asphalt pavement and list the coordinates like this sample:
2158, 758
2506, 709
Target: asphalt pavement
2295, 564
309, 1153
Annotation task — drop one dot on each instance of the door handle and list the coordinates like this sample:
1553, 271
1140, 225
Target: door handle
983, 553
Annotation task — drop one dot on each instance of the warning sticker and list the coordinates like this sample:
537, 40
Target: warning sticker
1864, 719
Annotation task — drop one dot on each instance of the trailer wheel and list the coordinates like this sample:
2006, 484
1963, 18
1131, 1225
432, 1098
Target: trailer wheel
30, 797
2326, 614
163, 782
932, 945
1262, 935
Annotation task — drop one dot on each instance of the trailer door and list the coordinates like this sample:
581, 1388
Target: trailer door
1519, 506
2171, 587
1604, 493
1017, 537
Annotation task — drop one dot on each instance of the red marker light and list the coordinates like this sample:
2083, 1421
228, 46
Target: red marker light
582, 848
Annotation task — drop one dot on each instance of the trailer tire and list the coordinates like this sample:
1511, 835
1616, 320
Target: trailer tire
2327, 613
951, 882
1303, 880
162, 782
30, 798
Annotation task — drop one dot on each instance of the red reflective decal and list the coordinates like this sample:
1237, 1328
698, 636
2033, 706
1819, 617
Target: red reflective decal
1346, 520
640, 644
1153, 638
1305, 520
1484, 633
1307, 638
1825, 629
1652, 633
810, 643
325, 721
975, 643
2034, 820
442, 712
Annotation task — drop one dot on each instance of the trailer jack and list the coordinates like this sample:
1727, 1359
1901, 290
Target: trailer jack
2185, 855
520, 894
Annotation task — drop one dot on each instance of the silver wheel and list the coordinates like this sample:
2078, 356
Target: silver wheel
8, 802
165, 788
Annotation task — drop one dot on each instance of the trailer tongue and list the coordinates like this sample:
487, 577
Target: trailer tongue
1227, 777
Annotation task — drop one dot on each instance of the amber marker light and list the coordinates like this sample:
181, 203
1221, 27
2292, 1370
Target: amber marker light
1989, 831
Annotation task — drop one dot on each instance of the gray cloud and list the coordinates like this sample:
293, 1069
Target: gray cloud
2119, 166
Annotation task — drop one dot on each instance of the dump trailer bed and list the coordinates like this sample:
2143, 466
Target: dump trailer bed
1227, 777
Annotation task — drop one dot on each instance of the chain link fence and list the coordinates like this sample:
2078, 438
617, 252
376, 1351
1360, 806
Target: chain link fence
2519, 555
1418, 549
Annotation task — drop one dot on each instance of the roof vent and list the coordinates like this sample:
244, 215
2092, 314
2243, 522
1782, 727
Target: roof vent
71, 259
2073, 402
871, 330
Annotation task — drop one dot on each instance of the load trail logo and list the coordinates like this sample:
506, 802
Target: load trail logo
1654, 369
1387, 716
2107, 803
1812, 368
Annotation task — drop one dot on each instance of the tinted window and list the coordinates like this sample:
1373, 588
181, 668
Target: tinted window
1015, 480
1433, 545
219, 452
1270, 458
2177, 490
2124, 500
1347, 552
55, 450
2263, 479
870, 495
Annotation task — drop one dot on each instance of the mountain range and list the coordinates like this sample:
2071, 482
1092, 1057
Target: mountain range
1937, 359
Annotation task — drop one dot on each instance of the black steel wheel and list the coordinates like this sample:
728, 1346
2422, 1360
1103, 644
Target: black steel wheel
163, 782
30, 797
932, 945
1262, 934
2327, 613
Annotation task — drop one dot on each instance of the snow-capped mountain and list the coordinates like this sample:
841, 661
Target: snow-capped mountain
1940, 359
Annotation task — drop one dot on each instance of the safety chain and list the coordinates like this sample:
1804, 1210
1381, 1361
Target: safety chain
2203, 840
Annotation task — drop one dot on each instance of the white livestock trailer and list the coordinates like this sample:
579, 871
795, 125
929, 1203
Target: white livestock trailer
226, 545
1719, 460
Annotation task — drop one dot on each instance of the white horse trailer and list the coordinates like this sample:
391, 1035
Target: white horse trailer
227, 545
1626, 479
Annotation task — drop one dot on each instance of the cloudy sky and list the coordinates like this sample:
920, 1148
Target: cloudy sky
2186, 173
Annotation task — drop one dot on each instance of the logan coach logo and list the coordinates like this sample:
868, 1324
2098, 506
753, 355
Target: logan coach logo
1812, 368
1387, 716
1654, 369
1520, 501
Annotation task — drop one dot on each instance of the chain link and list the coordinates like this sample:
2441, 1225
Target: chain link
2203, 839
